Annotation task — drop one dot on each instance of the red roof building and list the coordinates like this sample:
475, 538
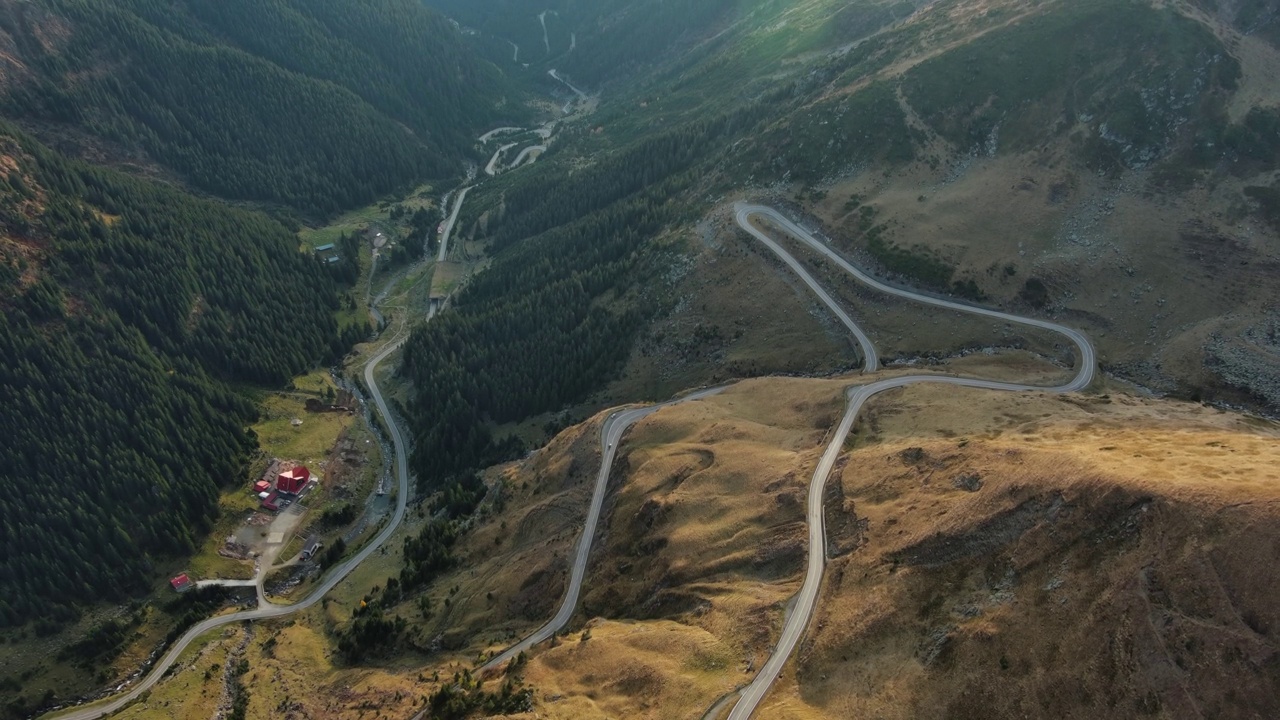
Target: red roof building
269, 502
261, 486
292, 481
182, 583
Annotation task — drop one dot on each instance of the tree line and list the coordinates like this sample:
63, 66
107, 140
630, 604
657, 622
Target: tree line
132, 312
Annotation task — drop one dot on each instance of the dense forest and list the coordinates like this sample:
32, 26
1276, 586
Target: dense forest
319, 105
553, 318
129, 312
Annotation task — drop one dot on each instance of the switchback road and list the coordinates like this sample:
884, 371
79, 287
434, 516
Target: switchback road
806, 600
1088, 358
492, 168
498, 131
526, 153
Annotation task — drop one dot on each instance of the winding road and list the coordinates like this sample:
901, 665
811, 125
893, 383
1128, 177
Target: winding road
527, 152
610, 435
334, 577
492, 168
802, 606
581, 95
806, 600
498, 131
103, 708
1088, 356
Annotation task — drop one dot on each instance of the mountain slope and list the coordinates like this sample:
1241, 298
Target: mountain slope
1106, 561
1110, 162
318, 106
129, 309
993, 555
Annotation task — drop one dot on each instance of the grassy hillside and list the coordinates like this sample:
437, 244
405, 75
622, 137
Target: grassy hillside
1109, 164
961, 525
1098, 562
604, 43
320, 106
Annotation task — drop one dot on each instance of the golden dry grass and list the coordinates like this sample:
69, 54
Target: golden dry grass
1098, 516
659, 669
685, 557
720, 479
1148, 275
1107, 566
292, 667
194, 689
308, 443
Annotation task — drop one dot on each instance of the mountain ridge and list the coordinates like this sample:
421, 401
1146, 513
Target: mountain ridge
167, 82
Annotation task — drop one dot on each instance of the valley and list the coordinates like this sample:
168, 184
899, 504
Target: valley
758, 359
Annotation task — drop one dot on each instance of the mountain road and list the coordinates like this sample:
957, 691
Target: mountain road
610, 437
806, 600
335, 576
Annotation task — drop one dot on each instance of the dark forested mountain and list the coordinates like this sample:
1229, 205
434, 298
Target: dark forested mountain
594, 40
317, 104
554, 317
128, 310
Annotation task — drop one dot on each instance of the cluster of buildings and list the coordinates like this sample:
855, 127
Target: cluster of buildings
289, 482
328, 254
280, 485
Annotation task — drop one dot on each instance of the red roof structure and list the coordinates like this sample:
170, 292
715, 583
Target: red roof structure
292, 481
261, 486
269, 502
181, 583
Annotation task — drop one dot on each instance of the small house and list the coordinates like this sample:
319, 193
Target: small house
312, 547
181, 583
261, 486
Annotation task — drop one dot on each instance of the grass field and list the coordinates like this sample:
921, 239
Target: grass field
378, 214
309, 442
702, 545
357, 220
33, 660
193, 690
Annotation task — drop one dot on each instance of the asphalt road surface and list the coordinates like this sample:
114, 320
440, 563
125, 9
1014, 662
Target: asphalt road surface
492, 168
870, 360
332, 578
525, 153
1088, 358
448, 224
806, 600
498, 131
610, 436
